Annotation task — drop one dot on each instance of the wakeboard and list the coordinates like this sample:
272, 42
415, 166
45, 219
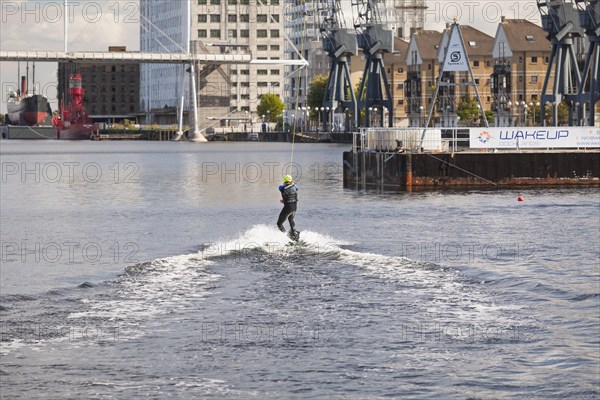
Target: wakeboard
294, 236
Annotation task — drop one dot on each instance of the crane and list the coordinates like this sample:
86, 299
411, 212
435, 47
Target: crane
589, 88
375, 40
340, 44
560, 18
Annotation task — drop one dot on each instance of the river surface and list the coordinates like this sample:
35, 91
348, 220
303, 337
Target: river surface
155, 270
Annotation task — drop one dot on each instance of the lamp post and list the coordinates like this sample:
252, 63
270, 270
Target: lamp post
421, 121
479, 114
375, 116
284, 119
327, 125
524, 113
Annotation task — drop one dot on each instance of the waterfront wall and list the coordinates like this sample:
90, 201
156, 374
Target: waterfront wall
466, 169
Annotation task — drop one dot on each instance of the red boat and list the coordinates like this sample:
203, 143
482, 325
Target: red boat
73, 122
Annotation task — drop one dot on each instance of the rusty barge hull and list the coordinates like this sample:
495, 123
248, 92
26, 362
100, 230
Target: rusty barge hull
413, 171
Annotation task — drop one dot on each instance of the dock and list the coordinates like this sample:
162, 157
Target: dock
369, 165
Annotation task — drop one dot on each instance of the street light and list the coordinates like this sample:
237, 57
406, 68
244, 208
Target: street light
375, 115
327, 125
421, 122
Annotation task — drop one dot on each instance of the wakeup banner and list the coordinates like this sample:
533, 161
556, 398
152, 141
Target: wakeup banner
534, 137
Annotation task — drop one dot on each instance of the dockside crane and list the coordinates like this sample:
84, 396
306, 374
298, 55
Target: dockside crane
560, 18
340, 44
374, 40
589, 88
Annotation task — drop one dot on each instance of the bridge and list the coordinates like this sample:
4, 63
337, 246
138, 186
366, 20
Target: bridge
134, 57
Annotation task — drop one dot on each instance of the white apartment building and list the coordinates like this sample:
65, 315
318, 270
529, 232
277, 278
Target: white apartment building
254, 26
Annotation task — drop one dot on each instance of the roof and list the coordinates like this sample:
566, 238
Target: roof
400, 51
428, 43
523, 35
476, 42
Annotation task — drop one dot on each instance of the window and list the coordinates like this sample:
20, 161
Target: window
245, 97
262, 47
244, 18
488, 63
275, 47
261, 84
261, 33
232, 18
216, 2
477, 81
275, 17
520, 79
234, 72
245, 84
529, 38
202, 17
215, 33
232, 33
245, 2
261, 18
488, 99
472, 43
215, 18
275, 2
245, 72
520, 60
429, 67
475, 64
201, 2
244, 33
534, 60
274, 33
274, 84
546, 60
534, 79
261, 72
201, 33
274, 72
232, 2
400, 70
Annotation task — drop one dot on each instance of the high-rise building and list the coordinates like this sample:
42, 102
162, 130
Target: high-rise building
227, 26
163, 28
215, 26
403, 17
302, 28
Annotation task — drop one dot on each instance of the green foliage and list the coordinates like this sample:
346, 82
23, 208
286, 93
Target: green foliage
1, 118
270, 106
489, 115
467, 110
316, 92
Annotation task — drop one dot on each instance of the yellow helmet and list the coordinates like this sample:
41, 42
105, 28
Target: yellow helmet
287, 179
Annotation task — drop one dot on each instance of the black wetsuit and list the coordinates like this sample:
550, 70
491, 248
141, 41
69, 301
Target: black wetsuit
289, 192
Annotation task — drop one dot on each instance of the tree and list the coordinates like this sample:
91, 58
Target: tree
1, 118
467, 110
270, 106
316, 92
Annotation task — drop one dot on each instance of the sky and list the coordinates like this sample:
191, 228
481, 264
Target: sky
97, 24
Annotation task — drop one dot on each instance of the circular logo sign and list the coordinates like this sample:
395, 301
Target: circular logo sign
455, 56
